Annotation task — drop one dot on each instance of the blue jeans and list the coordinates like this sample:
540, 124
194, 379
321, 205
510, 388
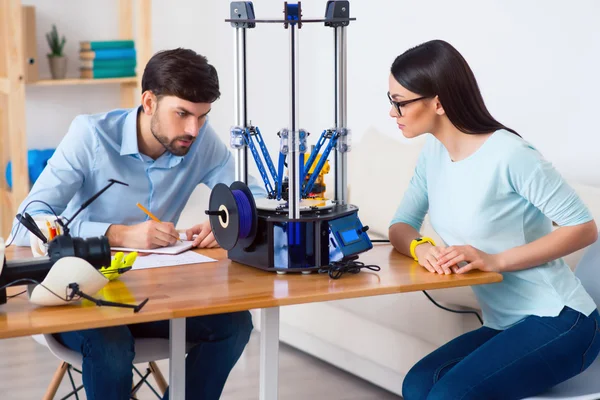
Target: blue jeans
108, 354
521, 361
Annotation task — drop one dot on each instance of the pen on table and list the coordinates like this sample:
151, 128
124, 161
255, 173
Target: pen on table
149, 214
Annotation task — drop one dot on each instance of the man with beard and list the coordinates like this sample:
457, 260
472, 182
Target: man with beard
162, 149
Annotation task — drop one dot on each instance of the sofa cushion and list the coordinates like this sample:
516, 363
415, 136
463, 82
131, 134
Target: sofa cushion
427, 322
379, 171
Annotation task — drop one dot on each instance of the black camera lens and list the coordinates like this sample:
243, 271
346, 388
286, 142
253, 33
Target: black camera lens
95, 250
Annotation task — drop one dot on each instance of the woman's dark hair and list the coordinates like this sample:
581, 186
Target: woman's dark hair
182, 73
436, 68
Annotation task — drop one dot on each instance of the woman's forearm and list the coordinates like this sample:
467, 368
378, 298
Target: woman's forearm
401, 235
563, 241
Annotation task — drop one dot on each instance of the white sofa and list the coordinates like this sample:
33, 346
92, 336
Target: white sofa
380, 338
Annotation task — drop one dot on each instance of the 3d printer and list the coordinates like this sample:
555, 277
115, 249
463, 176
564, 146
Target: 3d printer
296, 228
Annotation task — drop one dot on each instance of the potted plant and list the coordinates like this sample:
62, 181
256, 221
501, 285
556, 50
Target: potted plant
56, 57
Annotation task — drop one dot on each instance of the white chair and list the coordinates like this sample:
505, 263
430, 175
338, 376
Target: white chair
146, 351
585, 386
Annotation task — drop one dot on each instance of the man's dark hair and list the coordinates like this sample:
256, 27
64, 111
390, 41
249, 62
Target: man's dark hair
182, 73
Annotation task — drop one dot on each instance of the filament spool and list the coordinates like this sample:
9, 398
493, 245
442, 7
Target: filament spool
232, 215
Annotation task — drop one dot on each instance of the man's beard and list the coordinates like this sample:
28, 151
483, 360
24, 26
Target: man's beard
170, 146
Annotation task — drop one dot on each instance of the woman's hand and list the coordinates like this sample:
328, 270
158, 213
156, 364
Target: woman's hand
428, 255
475, 259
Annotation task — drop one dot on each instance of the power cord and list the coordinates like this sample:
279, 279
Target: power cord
434, 302
99, 302
72, 292
15, 295
119, 270
65, 299
454, 311
349, 266
112, 271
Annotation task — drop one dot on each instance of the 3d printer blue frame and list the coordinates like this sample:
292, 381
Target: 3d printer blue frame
288, 234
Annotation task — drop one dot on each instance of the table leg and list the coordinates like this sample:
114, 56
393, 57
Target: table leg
269, 353
177, 359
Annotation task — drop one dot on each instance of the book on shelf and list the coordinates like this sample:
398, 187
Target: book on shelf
107, 54
100, 73
107, 59
115, 63
106, 44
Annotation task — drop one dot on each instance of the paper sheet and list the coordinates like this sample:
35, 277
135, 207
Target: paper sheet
177, 248
164, 260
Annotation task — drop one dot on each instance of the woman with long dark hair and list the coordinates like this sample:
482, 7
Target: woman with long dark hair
492, 198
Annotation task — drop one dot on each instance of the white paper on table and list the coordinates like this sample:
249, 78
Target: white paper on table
166, 260
177, 248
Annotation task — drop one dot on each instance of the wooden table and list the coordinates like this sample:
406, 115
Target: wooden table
224, 286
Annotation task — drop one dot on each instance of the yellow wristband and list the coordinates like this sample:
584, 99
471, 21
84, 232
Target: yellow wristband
416, 242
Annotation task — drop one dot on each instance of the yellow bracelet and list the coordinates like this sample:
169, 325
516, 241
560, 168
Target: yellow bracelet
418, 241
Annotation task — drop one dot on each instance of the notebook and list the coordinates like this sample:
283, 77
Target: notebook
177, 248
164, 260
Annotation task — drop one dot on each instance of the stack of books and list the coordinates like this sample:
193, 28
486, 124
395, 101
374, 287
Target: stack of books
107, 59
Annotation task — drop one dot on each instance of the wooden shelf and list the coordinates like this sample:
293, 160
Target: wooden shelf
78, 81
14, 44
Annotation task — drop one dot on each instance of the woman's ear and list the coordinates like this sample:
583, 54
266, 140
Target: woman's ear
149, 102
439, 109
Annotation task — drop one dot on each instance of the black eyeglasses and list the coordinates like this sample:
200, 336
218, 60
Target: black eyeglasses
398, 104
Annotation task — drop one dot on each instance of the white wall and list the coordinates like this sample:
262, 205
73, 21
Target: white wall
536, 63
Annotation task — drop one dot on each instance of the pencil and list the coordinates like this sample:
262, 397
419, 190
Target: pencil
149, 214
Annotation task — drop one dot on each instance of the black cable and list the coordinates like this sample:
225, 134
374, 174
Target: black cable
338, 268
12, 237
454, 311
76, 294
433, 301
18, 226
121, 270
65, 299
99, 302
15, 295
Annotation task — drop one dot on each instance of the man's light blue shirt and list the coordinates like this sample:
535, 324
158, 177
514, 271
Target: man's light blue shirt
504, 195
104, 146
